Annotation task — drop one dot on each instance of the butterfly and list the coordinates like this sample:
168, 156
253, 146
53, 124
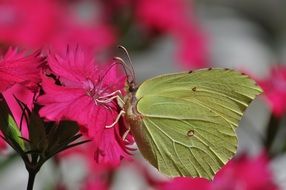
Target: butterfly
184, 123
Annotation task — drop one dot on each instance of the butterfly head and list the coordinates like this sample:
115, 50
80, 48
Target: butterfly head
132, 87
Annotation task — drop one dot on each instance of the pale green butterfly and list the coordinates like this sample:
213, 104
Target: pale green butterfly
184, 123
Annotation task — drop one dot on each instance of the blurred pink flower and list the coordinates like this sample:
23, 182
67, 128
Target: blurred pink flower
245, 173
99, 179
96, 37
163, 15
192, 50
39, 23
81, 24
185, 183
92, 184
19, 77
175, 17
274, 88
241, 173
84, 92
16, 68
28, 23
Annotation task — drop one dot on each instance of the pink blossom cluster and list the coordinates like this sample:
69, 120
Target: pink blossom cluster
38, 23
78, 83
72, 83
274, 87
99, 25
242, 172
74, 88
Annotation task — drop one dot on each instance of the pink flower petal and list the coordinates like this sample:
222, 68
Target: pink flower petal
245, 173
186, 183
17, 68
25, 96
275, 90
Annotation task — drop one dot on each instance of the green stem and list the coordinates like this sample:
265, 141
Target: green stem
272, 130
32, 175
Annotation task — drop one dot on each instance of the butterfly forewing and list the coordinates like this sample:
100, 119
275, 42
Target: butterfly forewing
189, 120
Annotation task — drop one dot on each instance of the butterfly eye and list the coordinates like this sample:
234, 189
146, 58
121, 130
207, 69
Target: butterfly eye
132, 87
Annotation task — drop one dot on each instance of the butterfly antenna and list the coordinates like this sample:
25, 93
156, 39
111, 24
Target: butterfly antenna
126, 68
130, 63
105, 73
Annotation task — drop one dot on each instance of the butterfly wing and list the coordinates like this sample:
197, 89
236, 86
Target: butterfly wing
188, 120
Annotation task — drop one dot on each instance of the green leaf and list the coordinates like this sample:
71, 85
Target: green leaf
61, 135
184, 123
37, 133
67, 129
9, 128
14, 133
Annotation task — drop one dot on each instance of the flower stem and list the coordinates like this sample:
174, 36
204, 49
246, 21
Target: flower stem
272, 130
32, 175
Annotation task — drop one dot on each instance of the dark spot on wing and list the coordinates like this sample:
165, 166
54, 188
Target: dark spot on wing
226, 69
194, 89
190, 72
190, 133
210, 69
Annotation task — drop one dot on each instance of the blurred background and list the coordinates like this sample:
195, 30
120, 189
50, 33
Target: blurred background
164, 36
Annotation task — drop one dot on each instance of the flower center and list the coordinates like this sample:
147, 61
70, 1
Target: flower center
90, 88
100, 96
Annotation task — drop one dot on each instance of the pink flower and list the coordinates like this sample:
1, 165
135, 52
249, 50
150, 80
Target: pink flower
275, 90
100, 179
186, 183
163, 15
84, 92
19, 77
175, 17
16, 68
86, 29
192, 47
95, 37
245, 173
112, 147
56, 22
28, 23
92, 184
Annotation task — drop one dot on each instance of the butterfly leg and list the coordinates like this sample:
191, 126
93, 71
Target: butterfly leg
108, 100
116, 120
117, 92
